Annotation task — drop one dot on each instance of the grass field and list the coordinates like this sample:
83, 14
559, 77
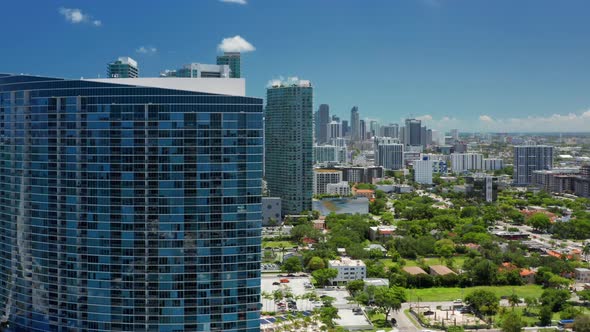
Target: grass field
278, 244
450, 294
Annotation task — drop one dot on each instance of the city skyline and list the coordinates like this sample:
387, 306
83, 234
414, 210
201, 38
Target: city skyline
445, 63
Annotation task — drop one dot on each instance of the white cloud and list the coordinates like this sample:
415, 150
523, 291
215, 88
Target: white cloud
239, 2
486, 118
235, 44
76, 16
567, 122
146, 50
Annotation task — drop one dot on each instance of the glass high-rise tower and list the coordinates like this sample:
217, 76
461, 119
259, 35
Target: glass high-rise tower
289, 144
123, 67
233, 60
129, 204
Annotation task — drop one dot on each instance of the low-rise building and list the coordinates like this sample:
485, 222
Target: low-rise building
528, 276
440, 270
582, 275
341, 188
381, 232
376, 282
348, 269
414, 270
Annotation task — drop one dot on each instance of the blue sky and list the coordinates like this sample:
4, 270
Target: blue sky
500, 65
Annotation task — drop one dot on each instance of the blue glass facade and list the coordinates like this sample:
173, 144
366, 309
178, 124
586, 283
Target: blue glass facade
128, 208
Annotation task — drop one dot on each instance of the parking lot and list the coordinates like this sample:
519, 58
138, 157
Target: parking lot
296, 285
269, 267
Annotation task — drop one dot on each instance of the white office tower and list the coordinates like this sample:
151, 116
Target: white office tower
334, 130
529, 158
438, 137
455, 134
423, 171
463, 162
493, 164
322, 177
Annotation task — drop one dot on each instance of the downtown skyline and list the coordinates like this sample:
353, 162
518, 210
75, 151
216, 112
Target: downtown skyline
467, 65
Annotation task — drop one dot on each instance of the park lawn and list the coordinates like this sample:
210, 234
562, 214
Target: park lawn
437, 294
378, 320
529, 320
278, 244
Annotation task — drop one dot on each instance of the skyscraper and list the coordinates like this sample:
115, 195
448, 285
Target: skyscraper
130, 204
345, 128
355, 124
123, 67
233, 60
321, 123
391, 130
529, 158
389, 153
413, 132
289, 148
334, 130
362, 130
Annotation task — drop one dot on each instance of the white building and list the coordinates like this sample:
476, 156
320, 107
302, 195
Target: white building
493, 164
348, 269
462, 162
341, 188
334, 130
322, 177
197, 70
423, 171
582, 275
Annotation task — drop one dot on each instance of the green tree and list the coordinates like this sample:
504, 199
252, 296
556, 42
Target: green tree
531, 303
387, 299
445, 248
328, 315
582, 323
292, 264
514, 300
484, 302
316, 263
355, 286
512, 322
323, 276
555, 299
539, 221
545, 315
584, 295
570, 312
